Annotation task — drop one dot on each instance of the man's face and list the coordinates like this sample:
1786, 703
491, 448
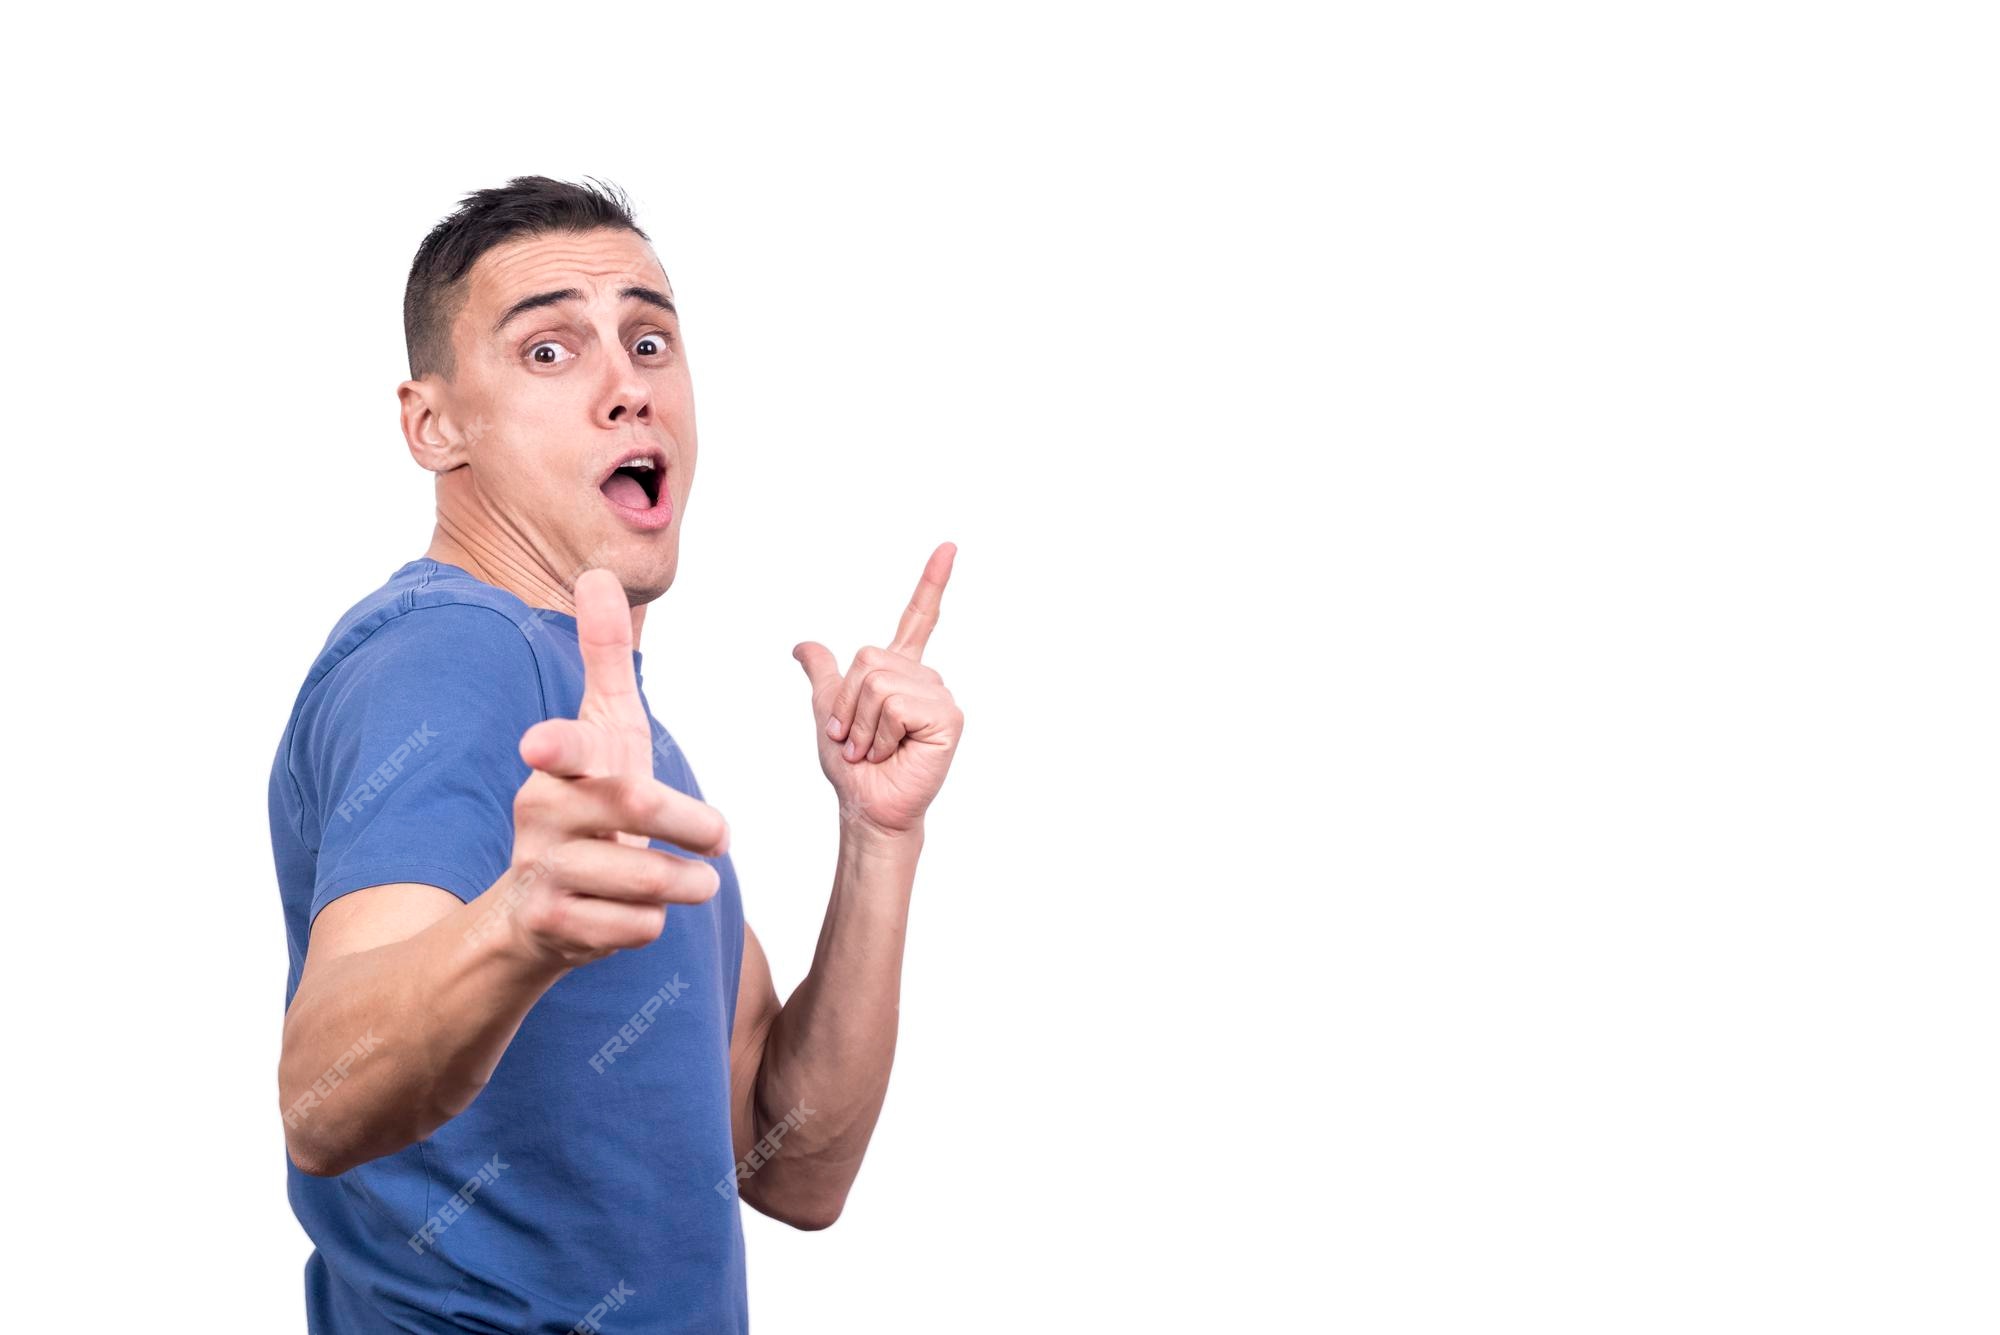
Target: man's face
570, 365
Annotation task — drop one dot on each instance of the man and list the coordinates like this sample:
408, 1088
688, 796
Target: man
532, 1051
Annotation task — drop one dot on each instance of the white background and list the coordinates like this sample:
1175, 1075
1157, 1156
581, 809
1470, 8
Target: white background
1474, 615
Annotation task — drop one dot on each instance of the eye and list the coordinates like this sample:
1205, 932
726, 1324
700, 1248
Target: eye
653, 345
548, 354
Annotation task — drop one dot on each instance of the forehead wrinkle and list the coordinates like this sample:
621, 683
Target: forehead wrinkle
538, 256
595, 283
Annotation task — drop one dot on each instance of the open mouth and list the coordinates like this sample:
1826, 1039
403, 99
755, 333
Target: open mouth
638, 482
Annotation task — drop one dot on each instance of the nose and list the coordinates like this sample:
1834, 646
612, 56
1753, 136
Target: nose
628, 399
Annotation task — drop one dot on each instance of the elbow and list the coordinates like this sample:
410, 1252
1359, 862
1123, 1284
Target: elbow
326, 1142
810, 1220
807, 1221
330, 1148
808, 1214
312, 1157
309, 1139
317, 1144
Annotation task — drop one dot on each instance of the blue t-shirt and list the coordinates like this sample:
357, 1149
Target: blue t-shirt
580, 1190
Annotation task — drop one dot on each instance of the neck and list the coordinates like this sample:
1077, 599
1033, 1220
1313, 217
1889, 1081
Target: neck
496, 564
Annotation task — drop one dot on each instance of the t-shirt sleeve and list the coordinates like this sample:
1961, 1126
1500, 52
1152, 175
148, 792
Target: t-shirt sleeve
408, 760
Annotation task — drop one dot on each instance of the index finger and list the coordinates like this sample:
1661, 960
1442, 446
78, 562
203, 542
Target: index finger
604, 633
921, 616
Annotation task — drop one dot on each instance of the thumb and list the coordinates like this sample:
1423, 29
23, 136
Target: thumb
822, 668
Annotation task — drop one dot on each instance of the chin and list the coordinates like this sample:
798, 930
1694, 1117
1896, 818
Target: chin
641, 594
645, 582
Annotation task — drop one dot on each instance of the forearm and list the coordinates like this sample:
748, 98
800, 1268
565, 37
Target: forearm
824, 1070
386, 1045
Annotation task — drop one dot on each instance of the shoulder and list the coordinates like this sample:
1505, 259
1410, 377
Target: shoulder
429, 647
445, 645
431, 626
417, 673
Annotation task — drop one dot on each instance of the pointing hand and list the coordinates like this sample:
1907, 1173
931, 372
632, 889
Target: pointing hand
888, 728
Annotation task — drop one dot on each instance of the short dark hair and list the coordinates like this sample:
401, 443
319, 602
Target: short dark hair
525, 206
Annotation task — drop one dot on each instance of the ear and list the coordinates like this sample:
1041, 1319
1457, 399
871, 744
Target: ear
435, 441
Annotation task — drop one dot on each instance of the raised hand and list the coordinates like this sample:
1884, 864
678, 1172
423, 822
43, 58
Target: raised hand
587, 882
888, 728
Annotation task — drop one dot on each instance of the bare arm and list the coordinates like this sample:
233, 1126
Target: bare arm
808, 1078
407, 1001
813, 1074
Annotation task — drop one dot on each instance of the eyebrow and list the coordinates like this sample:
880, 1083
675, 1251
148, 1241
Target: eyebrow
556, 298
